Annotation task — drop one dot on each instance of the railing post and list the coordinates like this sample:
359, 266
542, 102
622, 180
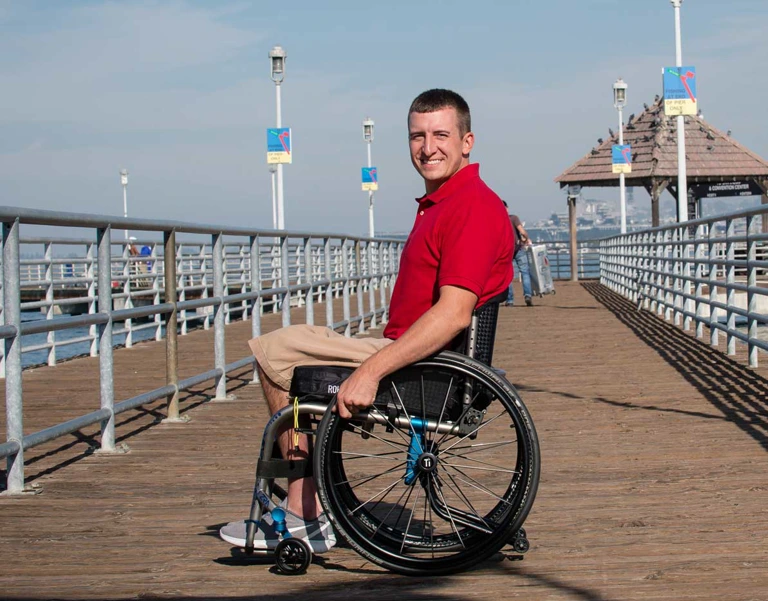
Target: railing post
713, 256
219, 339
285, 281
204, 283
225, 292
359, 288
730, 280
92, 287
328, 286
668, 281
686, 282
345, 286
106, 366
156, 287
700, 256
171, 334
383, 281
13, 392
127, 268
181, 293
752, 323
370, 249
255, 287
310, 296
50, 309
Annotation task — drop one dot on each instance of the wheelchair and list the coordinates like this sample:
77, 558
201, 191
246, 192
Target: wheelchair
436, 476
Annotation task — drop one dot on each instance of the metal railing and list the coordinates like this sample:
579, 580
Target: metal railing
118, 287
710, 274
587, 259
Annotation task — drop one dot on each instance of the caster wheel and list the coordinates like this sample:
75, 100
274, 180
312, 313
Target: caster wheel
515, 535
292, 556
521, 545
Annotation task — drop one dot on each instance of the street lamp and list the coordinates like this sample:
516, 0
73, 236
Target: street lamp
368, 137
277, 58
682, 171
620, 101
124, 182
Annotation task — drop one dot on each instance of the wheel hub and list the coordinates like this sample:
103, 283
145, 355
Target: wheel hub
427, 462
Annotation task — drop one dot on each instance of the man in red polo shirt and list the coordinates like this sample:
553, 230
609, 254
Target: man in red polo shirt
457, 257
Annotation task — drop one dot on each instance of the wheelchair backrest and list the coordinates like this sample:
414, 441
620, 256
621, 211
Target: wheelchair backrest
478, 339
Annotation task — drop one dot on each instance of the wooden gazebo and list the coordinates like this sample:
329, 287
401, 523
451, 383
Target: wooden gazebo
712, 157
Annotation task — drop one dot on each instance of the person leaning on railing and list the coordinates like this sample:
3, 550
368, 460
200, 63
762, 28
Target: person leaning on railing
458, 256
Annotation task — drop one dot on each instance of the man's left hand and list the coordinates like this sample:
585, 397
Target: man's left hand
356, 393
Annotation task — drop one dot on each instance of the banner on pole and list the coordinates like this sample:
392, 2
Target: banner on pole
621, 158
679, 90
370, 179
279, 145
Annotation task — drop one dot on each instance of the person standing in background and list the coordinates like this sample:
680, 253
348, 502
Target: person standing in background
520, 261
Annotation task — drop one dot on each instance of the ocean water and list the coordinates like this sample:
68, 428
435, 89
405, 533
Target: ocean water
77, 349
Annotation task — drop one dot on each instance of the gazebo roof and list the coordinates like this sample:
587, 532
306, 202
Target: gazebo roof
712, 155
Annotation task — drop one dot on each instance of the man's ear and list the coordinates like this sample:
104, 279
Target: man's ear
467, 143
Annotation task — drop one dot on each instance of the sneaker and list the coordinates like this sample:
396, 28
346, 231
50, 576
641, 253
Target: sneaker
528, 301
318, 534
509, 304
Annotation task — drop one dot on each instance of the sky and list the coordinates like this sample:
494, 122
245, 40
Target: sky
178, 92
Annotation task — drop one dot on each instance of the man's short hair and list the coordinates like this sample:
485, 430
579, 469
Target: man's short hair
438, 99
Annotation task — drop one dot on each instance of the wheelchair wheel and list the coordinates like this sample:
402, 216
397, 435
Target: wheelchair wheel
436, 483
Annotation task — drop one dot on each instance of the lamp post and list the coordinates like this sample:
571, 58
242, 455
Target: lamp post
682, 174
273, 172
620, 101
368, 137
277, 58
124, 182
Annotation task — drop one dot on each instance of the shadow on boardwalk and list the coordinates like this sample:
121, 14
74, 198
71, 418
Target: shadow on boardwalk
737, 391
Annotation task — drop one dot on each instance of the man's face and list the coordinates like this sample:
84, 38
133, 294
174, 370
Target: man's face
438, 150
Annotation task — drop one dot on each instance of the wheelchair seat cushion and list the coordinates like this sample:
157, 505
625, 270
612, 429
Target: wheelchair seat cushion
318, 380
419, 391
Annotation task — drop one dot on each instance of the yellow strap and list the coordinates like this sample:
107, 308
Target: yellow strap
295, 423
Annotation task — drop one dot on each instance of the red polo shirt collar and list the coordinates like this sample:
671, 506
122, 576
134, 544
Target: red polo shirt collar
457, 180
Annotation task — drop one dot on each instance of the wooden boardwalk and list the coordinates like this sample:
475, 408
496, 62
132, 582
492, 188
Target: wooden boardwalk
654, 476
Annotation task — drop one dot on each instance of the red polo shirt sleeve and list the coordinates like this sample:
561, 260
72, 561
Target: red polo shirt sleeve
478, 254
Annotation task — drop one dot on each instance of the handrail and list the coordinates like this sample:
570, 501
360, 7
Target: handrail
239, 274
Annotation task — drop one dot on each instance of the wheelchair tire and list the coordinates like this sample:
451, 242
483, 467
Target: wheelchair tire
446, 502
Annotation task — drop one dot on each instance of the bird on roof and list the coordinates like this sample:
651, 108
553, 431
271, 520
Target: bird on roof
728, 133
599, 140
710, 136
595, 151
631, 118
610, 132
645, 106
710, 147
656, 98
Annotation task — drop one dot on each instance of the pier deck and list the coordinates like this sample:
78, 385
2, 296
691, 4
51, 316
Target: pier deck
654, 475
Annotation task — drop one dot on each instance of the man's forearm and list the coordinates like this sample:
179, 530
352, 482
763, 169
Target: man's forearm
430, 333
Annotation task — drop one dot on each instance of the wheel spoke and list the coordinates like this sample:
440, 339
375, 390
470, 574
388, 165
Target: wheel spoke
436, 488
391, 443
384, 492
368, 478
481, 487
475, 448
410, 517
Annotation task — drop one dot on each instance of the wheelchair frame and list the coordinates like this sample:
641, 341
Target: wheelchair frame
293, 555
